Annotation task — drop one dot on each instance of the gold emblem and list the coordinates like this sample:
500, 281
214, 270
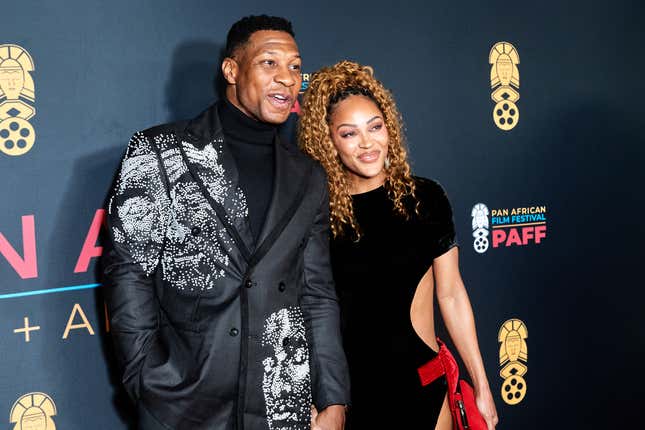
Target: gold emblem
505, 83
33, 411
513, 354
17, 96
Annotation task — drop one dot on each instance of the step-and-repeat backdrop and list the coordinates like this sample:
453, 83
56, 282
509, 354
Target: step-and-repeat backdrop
529, 114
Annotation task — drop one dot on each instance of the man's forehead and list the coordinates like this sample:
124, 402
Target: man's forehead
270, 40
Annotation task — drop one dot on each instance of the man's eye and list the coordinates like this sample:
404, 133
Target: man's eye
268, 62
295, 67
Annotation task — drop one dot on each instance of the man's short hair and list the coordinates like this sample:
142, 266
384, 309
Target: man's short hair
242, 30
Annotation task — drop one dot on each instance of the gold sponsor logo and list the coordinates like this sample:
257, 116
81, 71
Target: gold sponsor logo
33, 411
513, 356
17, 97
505, 83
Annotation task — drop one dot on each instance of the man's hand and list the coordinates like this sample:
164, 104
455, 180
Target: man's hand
330, 418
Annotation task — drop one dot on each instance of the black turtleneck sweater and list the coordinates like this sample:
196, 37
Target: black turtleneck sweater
251, 143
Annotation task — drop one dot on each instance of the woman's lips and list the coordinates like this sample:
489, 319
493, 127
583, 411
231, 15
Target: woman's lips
369, 157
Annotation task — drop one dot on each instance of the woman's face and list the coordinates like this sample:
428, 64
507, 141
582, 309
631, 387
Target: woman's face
358, 131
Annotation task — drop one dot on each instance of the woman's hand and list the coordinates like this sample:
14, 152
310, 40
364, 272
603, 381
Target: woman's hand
486, 406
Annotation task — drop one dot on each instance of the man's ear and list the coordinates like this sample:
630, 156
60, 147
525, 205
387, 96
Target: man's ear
230, 70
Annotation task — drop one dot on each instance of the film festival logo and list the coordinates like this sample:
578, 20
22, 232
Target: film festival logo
33, 411
507, 227
303, 87
305, 82
505, 83
17, 97
513, 358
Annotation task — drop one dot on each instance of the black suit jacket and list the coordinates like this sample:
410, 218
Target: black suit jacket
212, 331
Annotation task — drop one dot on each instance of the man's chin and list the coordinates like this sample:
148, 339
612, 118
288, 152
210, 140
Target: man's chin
275, 117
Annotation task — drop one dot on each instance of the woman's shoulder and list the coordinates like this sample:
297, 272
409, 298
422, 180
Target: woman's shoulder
432, 198
426, 188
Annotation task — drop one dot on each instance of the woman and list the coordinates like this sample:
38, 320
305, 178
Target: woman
393, 247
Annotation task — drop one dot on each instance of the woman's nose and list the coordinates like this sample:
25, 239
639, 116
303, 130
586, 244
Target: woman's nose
365, 142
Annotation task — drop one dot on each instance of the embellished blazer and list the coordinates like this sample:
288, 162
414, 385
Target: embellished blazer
214, 331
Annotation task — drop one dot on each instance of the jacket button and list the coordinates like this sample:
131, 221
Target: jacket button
234, 332
195, 231
248, 283
281, 286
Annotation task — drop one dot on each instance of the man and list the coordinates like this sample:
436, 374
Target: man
218, 282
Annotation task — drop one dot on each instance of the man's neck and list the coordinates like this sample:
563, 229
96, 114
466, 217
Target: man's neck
239, 125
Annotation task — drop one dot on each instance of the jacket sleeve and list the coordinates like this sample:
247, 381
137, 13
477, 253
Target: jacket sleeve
136, 219
330, 374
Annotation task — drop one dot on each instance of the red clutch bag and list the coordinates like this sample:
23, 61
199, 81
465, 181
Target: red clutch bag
465, 415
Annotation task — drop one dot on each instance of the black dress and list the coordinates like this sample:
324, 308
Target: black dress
376, 279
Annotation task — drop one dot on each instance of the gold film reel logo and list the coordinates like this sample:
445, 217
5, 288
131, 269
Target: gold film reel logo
505, 83
17, 97
33, 411
513, 356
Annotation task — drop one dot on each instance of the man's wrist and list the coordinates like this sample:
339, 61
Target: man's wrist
336, 406
336, 413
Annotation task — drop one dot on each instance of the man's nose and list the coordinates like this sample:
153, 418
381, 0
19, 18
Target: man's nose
285, 76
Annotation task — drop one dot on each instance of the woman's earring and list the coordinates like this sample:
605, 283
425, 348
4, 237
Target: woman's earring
387, 163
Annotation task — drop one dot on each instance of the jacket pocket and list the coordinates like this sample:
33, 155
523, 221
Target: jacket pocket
181, 310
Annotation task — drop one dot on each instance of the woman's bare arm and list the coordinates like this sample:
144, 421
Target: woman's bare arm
458, 316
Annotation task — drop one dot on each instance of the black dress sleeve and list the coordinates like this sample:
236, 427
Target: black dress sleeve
435, 218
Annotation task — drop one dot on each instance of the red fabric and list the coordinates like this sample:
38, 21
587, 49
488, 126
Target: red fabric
463, 408
430, 371
475, 420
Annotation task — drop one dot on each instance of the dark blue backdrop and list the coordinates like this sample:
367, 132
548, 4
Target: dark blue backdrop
106, 69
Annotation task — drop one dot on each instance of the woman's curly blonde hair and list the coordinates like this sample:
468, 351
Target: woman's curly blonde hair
331, 85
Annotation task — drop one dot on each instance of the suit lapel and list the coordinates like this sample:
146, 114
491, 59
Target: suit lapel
290, 183
213, 168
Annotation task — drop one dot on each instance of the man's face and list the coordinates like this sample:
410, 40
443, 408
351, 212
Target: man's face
264, 76
286, 381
